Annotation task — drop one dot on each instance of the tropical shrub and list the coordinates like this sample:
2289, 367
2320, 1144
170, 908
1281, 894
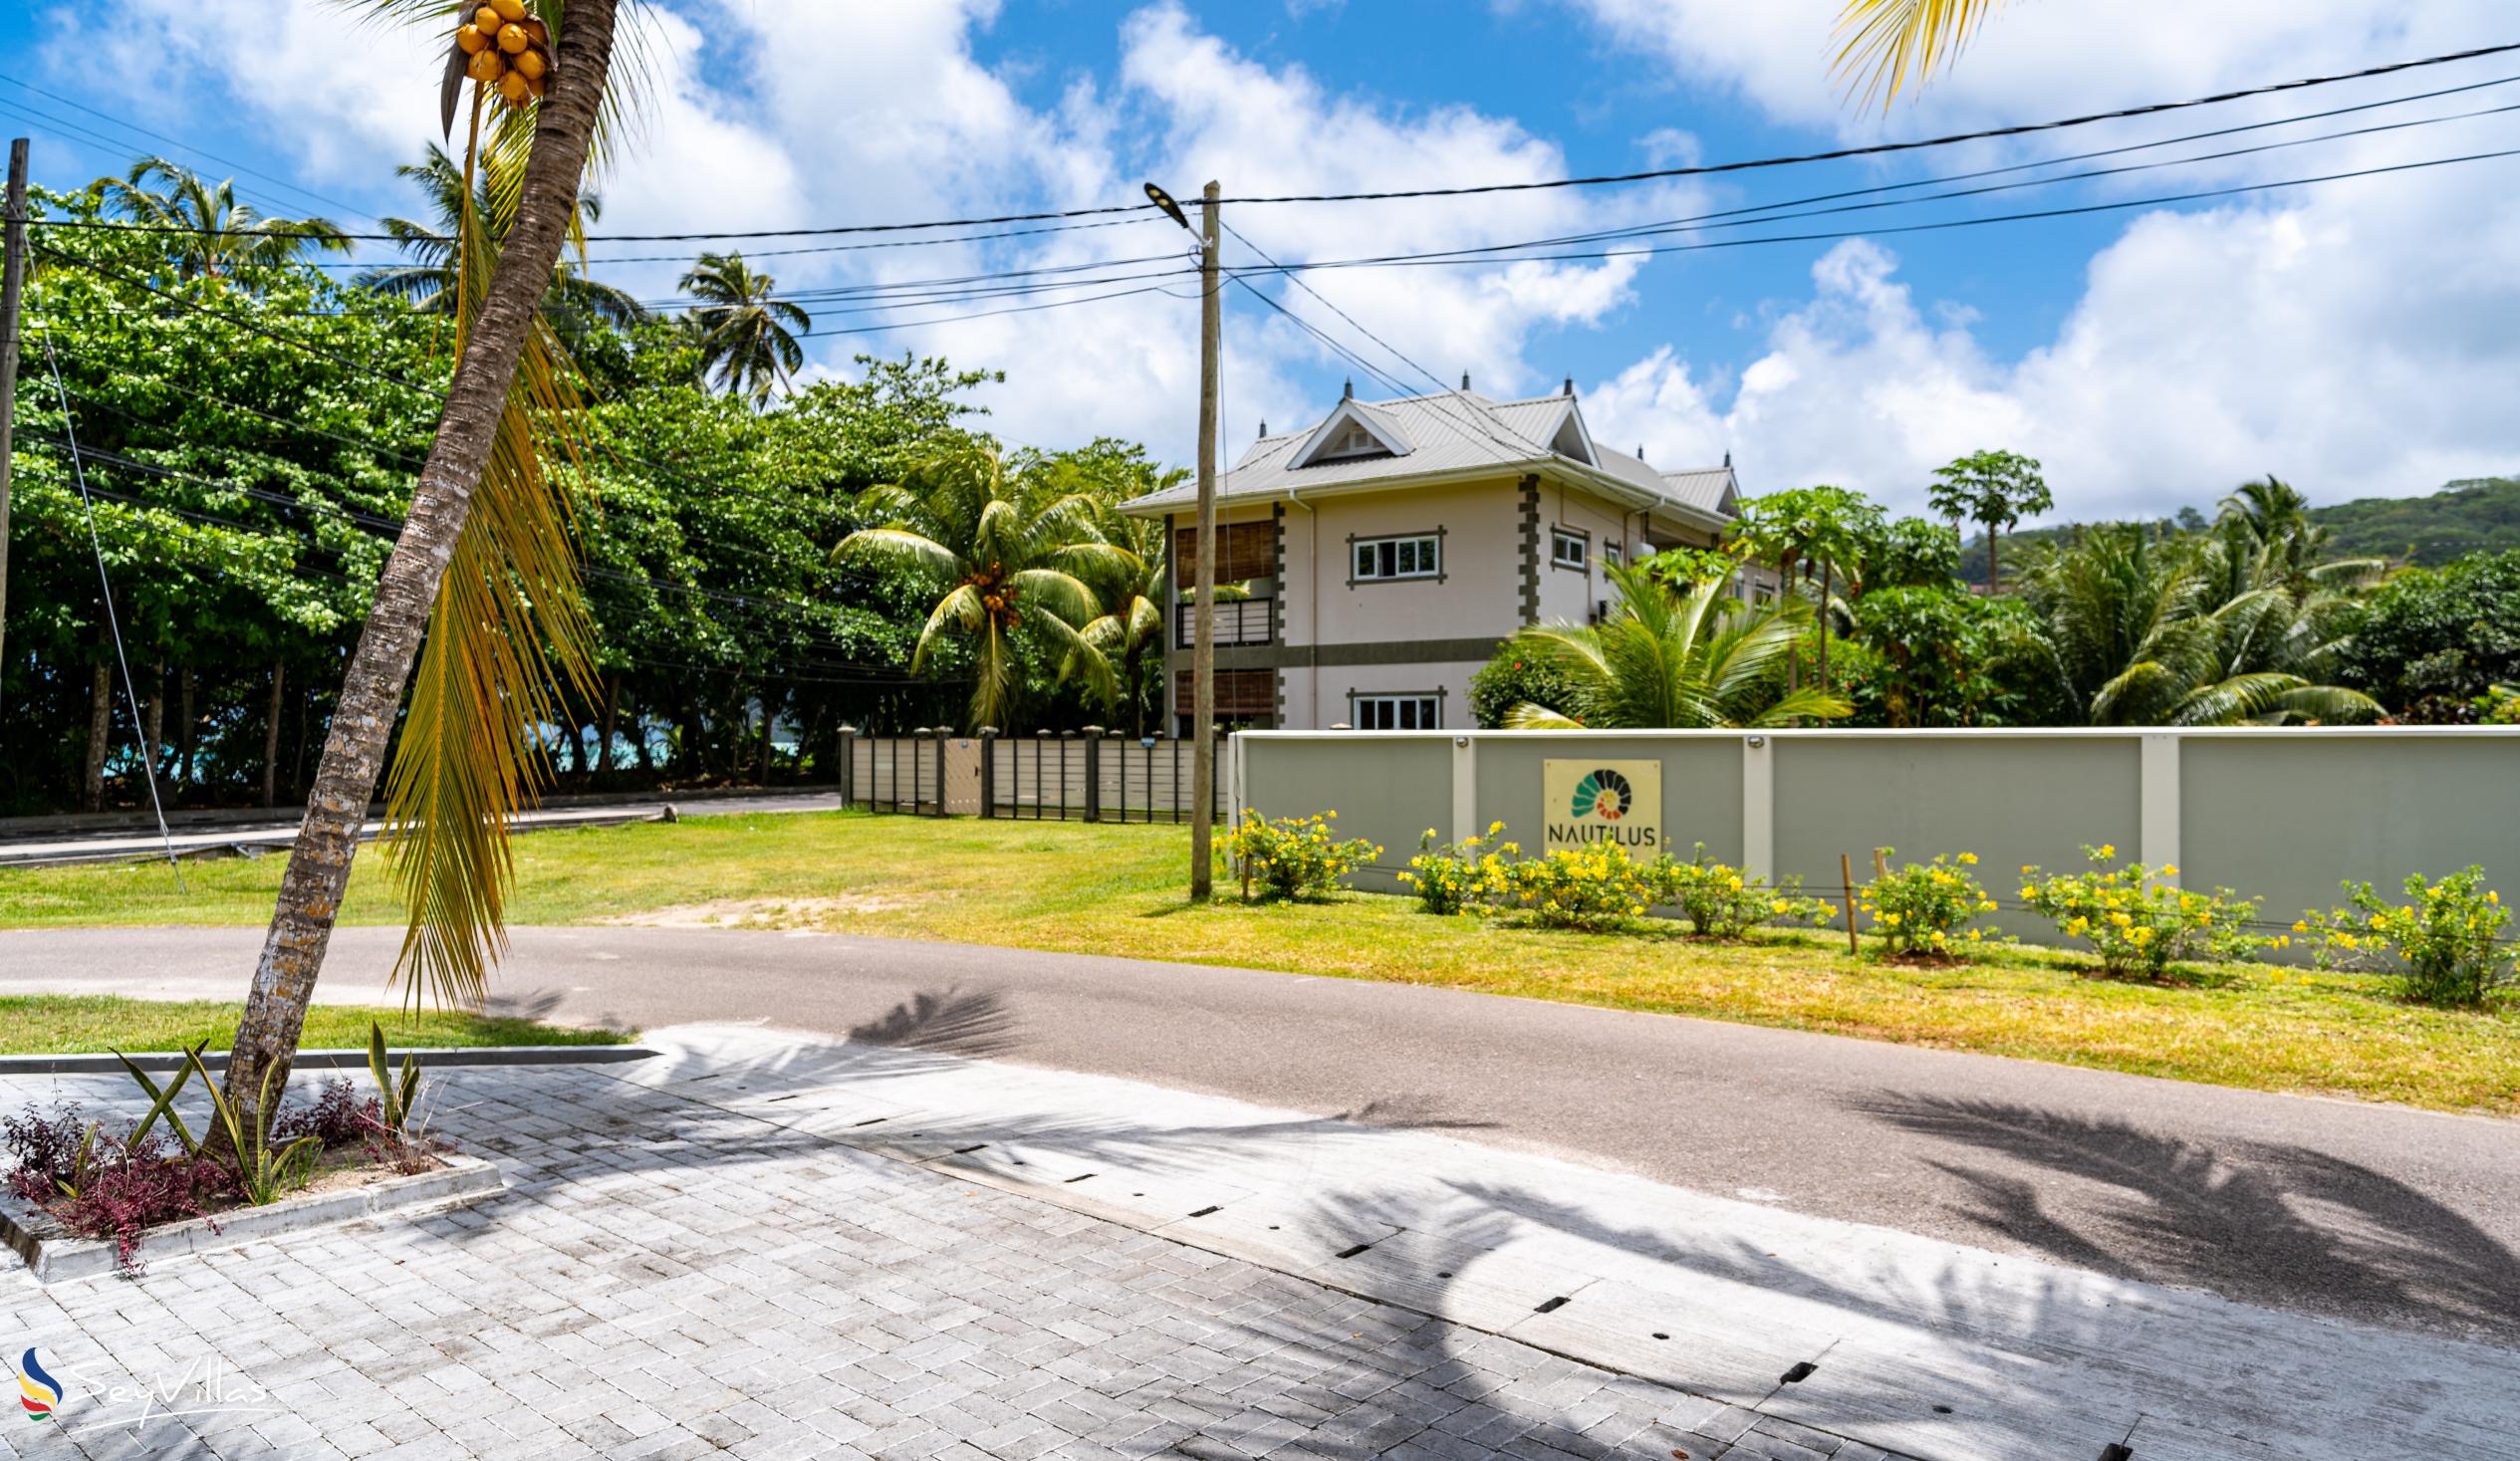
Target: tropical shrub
1296, 856
1919, 910
1719, 902
1580, 887
2443, 944
43, 1148
136, 1184
1463, 879
338, 1117
1515, 676
2136, 922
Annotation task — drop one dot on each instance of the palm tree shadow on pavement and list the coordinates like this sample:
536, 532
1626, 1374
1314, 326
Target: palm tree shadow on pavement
2326, 1233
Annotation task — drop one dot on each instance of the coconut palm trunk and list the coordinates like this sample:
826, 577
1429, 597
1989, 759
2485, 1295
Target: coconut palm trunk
353, 751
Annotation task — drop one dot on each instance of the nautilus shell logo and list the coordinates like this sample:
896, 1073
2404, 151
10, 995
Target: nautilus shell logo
38, 1391
1604, 794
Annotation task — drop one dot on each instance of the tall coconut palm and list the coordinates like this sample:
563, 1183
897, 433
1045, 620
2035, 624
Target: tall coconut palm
745, 332
2270, 519
483, 563
1693, 662
2142, 632
1011, 555
1131, 598
218, 233
429, 282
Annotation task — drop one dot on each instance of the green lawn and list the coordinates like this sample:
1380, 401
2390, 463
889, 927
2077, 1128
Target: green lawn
1117, 890
46, 1023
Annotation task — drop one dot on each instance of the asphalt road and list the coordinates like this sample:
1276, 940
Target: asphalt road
2354, 1210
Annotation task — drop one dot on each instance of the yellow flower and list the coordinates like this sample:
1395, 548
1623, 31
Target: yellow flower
1891, 918
2301, 925
1431, 834
2029, 867
2283, 940
2119, 920
2109, 850
1970, 858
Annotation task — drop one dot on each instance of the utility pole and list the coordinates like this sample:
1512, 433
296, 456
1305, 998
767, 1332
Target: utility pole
12, 291
1203, 607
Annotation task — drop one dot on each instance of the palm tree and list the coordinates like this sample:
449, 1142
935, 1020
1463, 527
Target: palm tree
1011, 552
483, 563
1131, 619
2142, 632
217, 233
744, 331
1890, 43
429, 283
1693, 662
2270, 519
1994, 489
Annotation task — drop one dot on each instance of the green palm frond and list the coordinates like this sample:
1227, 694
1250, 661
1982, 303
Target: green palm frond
1695, 660
508, 634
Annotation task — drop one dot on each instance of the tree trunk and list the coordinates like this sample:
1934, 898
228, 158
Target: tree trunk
1827, 573
271, 737
187, 733
645, 753
372, 690
611, 708
100, 728
154, 723
1995, 584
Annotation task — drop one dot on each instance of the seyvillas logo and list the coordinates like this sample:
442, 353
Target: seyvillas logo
38, 1393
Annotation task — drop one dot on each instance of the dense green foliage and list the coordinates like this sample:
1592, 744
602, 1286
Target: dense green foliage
250, 432
2431, 641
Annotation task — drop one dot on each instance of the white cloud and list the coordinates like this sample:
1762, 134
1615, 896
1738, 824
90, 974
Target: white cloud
2355, 338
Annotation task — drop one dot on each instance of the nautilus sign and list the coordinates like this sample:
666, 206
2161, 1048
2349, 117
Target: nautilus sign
1594, 803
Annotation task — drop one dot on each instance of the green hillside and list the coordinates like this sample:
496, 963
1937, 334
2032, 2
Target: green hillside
2478, 515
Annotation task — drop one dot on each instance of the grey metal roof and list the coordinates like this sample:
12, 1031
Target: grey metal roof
1447, 434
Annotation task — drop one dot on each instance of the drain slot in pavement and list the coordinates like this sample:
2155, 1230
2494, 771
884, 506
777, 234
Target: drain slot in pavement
1079, 1177
1205, 1211
1352, 1252
1551, 1305
1800, 1372
791, 1096
968, 1151
871, 1122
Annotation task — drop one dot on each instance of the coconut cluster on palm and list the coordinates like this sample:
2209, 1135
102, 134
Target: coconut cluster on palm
509, 50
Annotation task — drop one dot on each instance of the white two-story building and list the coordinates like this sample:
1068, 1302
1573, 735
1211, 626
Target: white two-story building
1390, 547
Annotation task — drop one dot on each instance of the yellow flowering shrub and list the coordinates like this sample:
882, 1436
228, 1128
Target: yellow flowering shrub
1578, 888
2443, 943
1719, 902
1919, 909
2136, 921
1467, 878
1295, 857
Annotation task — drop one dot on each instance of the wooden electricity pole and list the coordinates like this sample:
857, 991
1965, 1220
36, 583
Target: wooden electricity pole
12, 291
1203, 607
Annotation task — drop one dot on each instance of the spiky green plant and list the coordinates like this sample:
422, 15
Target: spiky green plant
398, 1095
1695, 661
263, 1172
1010, 553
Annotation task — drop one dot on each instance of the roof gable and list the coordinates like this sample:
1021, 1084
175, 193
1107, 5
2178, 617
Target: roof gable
1571, 439
1352, 431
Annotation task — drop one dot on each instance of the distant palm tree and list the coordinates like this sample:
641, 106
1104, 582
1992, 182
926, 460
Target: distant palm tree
1012, 553
2270, 519
1697, 661
429, 283
218, 232
745, 337
1131, 597
2142, 632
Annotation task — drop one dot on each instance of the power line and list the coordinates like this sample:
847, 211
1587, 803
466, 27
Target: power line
822, 231
133, 126
1452, 257
1882, 149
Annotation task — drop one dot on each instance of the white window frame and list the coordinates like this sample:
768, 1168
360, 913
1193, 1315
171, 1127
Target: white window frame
1423, 551
1425, 706
1611, 553
1559, 539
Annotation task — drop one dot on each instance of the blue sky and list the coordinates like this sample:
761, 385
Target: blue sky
2355, 339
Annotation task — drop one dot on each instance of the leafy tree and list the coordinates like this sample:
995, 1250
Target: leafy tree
1828, 525
1011, 552
1941, 656
1696, 660
577, 304
2433, 637
746, 338
1514, 677
1994, 489
217, 233
1912, 553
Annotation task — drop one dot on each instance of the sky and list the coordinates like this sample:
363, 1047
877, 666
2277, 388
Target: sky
2357, 337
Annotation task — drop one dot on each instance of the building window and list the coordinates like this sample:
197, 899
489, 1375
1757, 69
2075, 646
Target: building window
1419, 555
1398, 712
1566, 547
1611, 555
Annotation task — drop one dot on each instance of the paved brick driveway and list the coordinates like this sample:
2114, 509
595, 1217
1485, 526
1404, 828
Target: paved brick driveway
669, 1278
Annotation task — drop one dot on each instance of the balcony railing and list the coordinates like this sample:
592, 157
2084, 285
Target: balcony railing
1238, 621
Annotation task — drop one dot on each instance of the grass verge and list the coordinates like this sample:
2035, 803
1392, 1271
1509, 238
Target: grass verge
1117, 890
48, 1024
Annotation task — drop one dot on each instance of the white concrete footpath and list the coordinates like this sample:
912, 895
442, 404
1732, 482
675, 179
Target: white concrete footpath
774, 1247
1914, 1344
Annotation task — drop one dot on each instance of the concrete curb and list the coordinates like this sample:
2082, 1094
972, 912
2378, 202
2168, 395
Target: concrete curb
53, 1255
337, 1060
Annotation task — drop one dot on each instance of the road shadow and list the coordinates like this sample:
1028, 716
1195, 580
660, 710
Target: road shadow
977, 1024
2253, 1220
